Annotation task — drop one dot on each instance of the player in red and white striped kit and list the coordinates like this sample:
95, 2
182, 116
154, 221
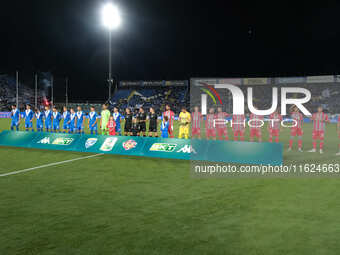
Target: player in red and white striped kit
319, 125
238, 124
338, 128
221, 127
255, 127
297, 129
274, 126
171, 116
210, 129
196, 119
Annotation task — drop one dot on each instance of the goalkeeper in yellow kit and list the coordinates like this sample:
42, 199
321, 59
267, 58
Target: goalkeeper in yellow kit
184, 120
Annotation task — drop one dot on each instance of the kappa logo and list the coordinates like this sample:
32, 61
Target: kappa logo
187, 149
163, 147
90, 142
45, 140
63, 141
130, 144
108, 144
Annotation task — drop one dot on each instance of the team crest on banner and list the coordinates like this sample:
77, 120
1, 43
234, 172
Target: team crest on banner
130, 144
90, 142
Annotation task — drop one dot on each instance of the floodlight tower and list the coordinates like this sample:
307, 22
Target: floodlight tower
111, 20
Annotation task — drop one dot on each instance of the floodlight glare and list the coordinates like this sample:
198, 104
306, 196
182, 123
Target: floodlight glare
110, 16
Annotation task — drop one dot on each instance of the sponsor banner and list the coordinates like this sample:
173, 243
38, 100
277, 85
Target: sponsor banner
287, 80
256, 81
230, 81
178, 83
201, 150
320, 79
5, 115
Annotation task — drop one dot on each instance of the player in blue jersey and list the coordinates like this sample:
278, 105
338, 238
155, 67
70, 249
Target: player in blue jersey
73, 121
165, 127
80, 120
93, 121
117, 116
66, 117
28, 115
48, 119
39, 120
15, 118
56, 120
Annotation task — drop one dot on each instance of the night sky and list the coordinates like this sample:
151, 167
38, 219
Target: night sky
162, 39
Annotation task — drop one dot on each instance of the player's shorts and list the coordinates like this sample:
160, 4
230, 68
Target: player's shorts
56, 126
238, 133
118, 129
211, 132
170, 130
222, 132
128, 128
28, 124
40, 126
72, 128
318, 134
196, 131
93, 128
183, 131
48, 125
14, 124
66, 126
296, 132
255, 132
274, 132
152, 128
142, 127
81, 127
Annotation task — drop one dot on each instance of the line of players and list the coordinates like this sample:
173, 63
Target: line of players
75, 121
215, 128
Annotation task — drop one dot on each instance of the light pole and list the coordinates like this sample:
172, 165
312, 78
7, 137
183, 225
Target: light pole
111, 20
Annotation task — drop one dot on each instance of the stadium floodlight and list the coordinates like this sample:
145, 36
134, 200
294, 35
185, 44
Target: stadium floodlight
111, 20
110, 16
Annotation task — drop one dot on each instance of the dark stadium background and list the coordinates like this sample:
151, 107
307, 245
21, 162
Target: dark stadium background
167, 40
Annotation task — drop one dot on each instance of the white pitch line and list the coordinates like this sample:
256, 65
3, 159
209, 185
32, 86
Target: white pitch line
48, 165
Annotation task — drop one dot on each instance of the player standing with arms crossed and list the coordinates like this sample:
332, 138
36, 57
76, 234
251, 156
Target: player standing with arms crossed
92, 121
66, 117
15, 118
117, 116
210, 129
274, 126
104, 119
39, 120
238, 124
153, 123
48, 119
184, 128
29, 115
196, 118
297, 129
319, 125
171, 116
220, 123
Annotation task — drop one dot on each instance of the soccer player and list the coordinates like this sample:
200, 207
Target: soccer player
319, 123
238, 125
153, 123
104, 119
56, 120
80, 120
15, 116
111, 125
171, 116
66, 117
48, 119
28, 115
274, 126
197, 118
255, 127
210, 129
117, 116
165, 127
141, 117
297, 129
338, 128
92, 121
128, 122
72, 124
220, 123
39, 120
184, 128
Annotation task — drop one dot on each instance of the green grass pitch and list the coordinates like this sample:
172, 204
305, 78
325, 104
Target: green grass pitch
133, 205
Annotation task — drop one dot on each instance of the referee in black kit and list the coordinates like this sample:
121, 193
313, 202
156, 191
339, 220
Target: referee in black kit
153, 123
141, 118
128, 122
